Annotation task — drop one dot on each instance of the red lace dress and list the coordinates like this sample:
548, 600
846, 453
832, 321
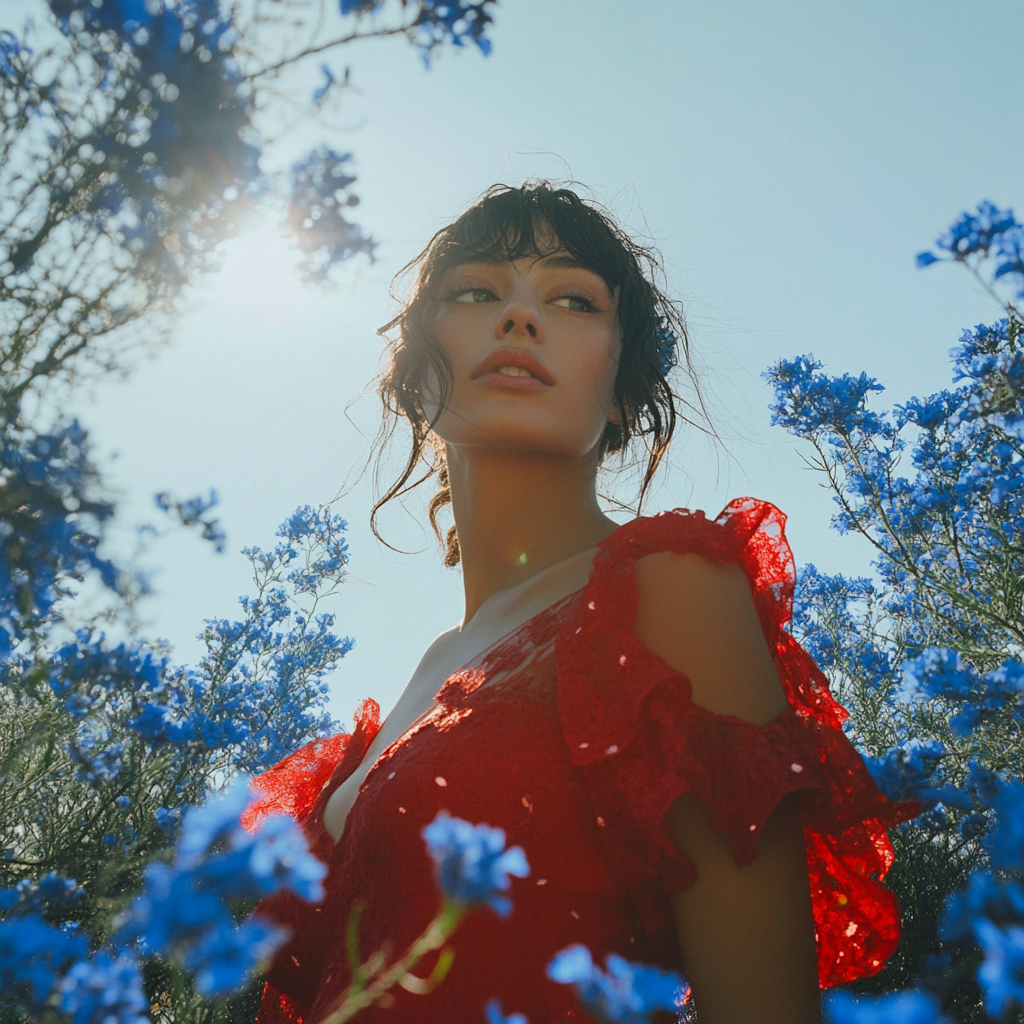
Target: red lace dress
575, 739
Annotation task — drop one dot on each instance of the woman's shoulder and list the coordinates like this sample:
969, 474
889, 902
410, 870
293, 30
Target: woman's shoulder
698, 615
700, 566
746, 528
706, 596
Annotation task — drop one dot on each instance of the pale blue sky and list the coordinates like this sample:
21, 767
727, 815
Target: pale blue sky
788, 158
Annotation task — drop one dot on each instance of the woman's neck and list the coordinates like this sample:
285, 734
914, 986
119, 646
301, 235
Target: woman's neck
518, 513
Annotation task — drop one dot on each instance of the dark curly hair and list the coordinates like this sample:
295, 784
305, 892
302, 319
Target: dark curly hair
511, 223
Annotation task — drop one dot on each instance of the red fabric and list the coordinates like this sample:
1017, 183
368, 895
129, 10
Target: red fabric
576, 739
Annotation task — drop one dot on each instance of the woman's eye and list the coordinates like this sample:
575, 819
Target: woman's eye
471, 295
577, 303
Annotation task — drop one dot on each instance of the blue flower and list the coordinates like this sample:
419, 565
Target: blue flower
626, 992
183, 911
321, 192
1001, 974
939, 672
984, 898
224, 958
33, 955
212, 823
166, 820
911, 1007
976, 232
908, 772
192, 512
471, 861
1006, 841
973, 825
808, 403
104, 990
452, 21
666, 346
51, 525
494, 1015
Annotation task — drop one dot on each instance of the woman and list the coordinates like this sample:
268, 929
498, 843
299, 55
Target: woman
622, 700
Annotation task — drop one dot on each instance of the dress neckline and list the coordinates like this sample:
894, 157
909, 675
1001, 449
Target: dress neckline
520, 594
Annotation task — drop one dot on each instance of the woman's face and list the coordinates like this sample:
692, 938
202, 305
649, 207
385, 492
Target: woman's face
534, 348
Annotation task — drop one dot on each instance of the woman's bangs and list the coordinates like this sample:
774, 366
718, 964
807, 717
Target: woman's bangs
506, 228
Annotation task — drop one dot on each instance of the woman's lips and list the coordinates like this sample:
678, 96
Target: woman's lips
512, 383
536, 374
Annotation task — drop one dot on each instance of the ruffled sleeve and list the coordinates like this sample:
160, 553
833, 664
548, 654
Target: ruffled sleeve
300, 786
633, 731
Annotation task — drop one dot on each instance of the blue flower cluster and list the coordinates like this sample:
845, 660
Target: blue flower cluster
50, 524
455, 22
666, 346
895, 1008
928, 654
438, 22
193, 513
184, 910
187, 125
493, 1014
257, 694
141, 738
989, 915
989, 232
34, 955
809, 403
939, 673
321, 191
269, 678
473, 866
104, 989
624, 992
42, 963
163, 162
184, 913
965, 502
909, 772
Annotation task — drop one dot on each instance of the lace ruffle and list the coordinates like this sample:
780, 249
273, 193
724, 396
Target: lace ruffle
300, 786
632, 729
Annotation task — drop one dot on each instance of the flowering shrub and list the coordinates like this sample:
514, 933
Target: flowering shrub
928, 654
130, 148
106, 748
131, 145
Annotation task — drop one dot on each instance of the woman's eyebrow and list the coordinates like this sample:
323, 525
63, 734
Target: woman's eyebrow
568, 262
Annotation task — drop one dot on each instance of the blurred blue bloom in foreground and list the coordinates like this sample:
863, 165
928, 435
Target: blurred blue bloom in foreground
183, 912
894, 1008
494, 1015
104, 990
1001, 975
909, 772
472, 863
626, 992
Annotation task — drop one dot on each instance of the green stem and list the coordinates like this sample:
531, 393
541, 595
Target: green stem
356, 998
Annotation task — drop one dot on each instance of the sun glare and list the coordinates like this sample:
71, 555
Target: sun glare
258, 276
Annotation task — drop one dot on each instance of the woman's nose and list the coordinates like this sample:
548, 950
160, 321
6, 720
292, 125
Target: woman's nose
518, 323
519, 320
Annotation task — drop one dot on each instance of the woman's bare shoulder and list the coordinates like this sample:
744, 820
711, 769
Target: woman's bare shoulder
699, 616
